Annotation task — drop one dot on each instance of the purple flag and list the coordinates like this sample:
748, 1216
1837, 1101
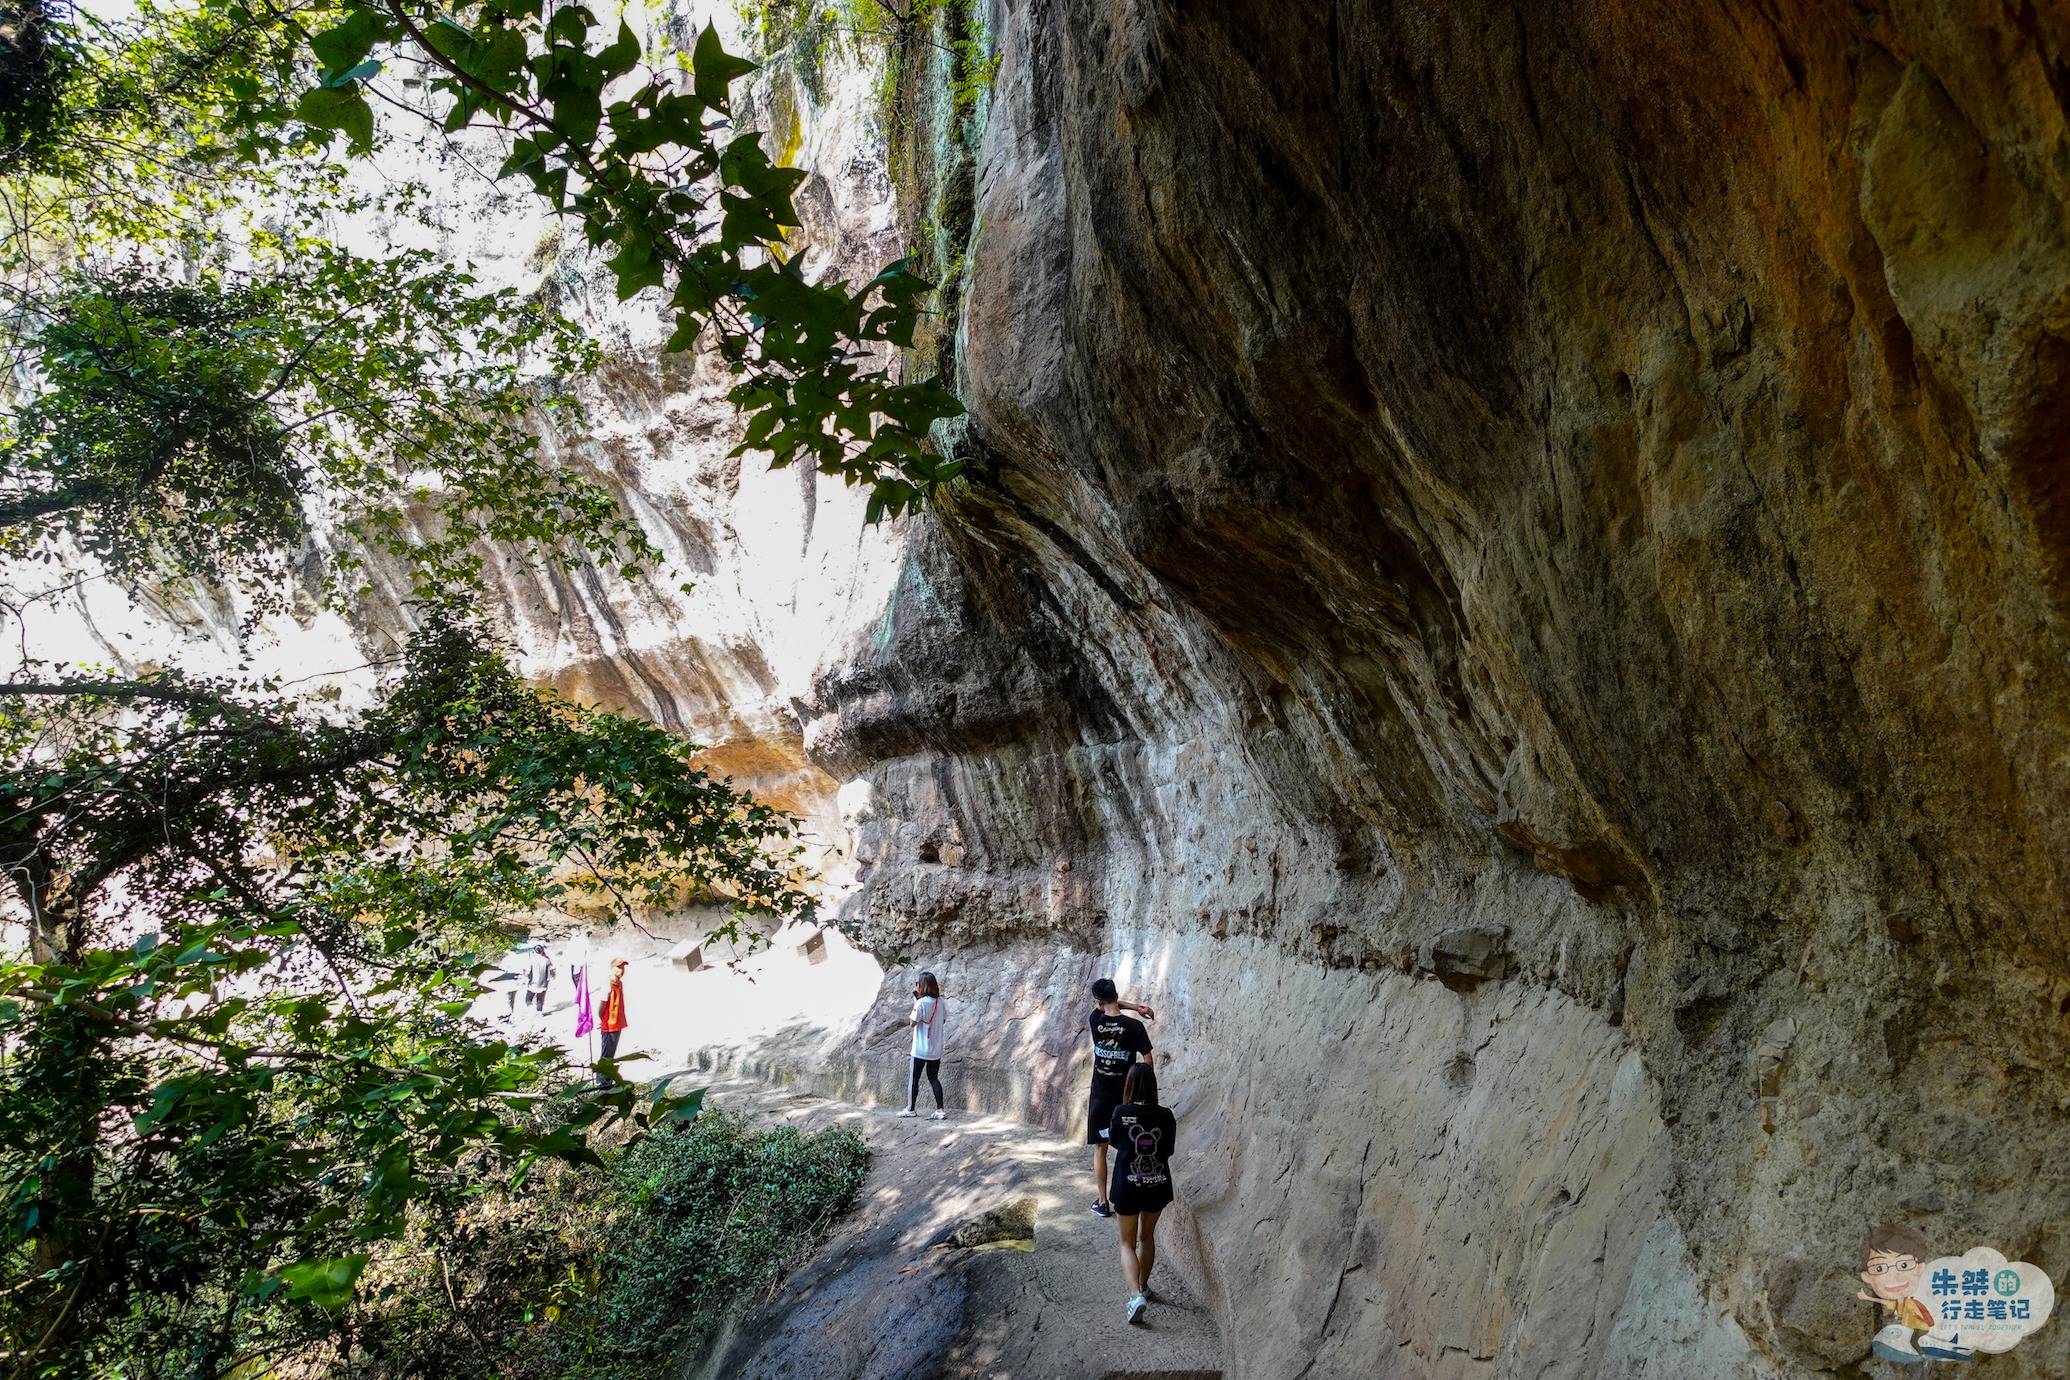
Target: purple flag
585, 1019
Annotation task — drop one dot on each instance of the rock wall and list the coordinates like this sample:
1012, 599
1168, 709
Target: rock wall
764, 568
1517, 592
1515, 589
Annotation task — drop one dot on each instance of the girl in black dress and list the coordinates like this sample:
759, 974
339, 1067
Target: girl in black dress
1141, 1136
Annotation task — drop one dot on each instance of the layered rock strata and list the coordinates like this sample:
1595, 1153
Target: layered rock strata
1515, 588
1518, 594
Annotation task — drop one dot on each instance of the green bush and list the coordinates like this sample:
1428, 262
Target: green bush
615, 1273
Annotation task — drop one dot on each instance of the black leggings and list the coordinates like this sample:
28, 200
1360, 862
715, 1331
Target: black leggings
933, 1068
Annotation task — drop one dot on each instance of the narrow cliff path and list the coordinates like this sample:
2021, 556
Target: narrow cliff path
881, 1300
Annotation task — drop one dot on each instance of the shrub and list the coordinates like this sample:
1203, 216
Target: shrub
616, 1273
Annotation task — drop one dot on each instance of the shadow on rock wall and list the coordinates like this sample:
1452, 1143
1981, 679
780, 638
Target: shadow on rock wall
1587, 480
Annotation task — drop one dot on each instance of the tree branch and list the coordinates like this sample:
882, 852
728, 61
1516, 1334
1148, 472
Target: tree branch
117, 690
120, 1022
16, 510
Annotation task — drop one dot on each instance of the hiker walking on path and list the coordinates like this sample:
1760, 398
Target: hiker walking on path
927, 1021
611, 1020
1118, 1041
1142, 1134
538, 975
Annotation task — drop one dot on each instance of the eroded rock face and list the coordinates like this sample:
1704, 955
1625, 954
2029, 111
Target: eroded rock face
776, 563
1594, 474
1517, 595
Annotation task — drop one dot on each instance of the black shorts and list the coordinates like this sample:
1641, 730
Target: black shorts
1127, 1200
1100, 1113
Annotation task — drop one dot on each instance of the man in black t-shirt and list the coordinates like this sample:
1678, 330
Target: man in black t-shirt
1118, 1041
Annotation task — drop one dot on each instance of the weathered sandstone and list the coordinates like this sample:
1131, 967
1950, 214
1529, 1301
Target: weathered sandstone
1589, 472
1515, 589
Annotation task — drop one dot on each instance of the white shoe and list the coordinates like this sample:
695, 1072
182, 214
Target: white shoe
1136, 1306
1943, 1348
909, 1112
937, 1115
1894, 1343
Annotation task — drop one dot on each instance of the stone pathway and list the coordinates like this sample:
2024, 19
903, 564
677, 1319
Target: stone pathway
880, 1301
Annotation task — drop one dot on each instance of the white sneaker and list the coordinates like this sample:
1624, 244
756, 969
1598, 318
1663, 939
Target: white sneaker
1136, 1306
1894, 1343
1943, 1348
909, 1112
937, 1115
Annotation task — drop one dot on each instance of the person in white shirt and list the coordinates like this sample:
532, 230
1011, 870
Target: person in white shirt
927, 1021
538, 977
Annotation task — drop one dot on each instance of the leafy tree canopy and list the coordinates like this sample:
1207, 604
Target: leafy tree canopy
237, 1054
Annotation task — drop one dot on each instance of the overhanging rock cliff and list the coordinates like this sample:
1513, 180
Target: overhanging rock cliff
1518, 593
1514, 587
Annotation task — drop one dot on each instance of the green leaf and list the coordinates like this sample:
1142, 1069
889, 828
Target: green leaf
362, 72
714, 70
569, 1149
678, 1109
326, 1283
162, 1101
618, 59
342, 109
346, 46
568, 25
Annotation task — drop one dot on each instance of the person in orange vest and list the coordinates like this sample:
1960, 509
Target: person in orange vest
611, 1020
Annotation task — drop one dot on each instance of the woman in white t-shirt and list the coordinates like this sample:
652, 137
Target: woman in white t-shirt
927, 1022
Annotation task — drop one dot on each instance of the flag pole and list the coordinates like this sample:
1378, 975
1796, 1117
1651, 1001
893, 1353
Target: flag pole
585, 1021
